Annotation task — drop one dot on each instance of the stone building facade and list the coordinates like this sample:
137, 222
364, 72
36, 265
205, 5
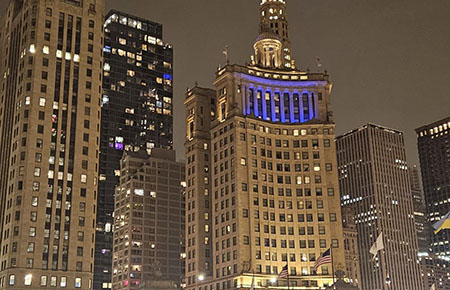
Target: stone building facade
261, 171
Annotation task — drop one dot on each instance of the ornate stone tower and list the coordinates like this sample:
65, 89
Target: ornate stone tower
274, 19
262, 187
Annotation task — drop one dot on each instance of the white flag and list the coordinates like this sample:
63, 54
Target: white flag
378, 246
433, 287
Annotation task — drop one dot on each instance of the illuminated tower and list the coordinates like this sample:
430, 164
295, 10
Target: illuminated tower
274, 19
262, 187
51, 67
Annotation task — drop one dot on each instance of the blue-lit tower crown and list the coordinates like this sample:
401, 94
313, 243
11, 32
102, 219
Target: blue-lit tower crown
271, 88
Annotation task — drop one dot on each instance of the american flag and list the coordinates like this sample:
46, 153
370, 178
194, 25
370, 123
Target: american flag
284, 274
325, 258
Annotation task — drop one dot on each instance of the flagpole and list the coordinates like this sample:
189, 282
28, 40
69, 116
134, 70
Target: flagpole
332, 263
288, 272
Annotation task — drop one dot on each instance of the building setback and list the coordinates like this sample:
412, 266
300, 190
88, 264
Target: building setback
149, 221
261, 171
50, 89
434, 153
374, 180
137, 113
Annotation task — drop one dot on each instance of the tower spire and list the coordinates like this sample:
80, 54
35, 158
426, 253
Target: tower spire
273, 19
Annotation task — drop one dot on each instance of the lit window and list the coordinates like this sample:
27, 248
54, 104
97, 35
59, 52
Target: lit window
43, 280
42, 102
12, 280
77, 282
83, 178
59, 53
63, 282
32, 48
53, 281
28, 278
139, 192
34, 201
46, 49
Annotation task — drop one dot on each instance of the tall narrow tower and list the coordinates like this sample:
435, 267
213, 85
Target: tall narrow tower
51, 68
274, 19
262, 186
137, 113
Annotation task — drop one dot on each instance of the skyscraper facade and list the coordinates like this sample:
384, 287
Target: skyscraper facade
51, 69
374, 180
434, 153
423, 228
149, 221
137, 113
261, 171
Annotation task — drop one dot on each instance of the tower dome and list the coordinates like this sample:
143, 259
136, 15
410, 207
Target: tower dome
268, 50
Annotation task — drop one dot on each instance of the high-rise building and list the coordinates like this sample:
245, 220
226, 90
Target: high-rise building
51, 69
149, 221
137, 113
351, 247
261, 171
423, 228
374, 180
435, 271
434, 154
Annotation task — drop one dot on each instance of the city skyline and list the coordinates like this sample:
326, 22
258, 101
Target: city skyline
360, 72
266, 171
409, 32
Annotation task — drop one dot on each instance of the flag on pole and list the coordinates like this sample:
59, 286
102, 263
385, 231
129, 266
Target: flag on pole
325, 258
378, 246
433, 287
443, 224
284, 274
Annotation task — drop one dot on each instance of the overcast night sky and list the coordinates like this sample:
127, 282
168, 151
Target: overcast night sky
388, 59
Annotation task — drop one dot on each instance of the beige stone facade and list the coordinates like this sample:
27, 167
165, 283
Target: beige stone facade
262, 182
51, 64
149, 221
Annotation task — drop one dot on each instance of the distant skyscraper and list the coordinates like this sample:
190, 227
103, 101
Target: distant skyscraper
423, 228
374, 180
262, 186
51, 58
435, 271
351, 247
434, 154
136, 112
149, 221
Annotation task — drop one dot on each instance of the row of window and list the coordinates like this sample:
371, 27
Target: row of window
45, 281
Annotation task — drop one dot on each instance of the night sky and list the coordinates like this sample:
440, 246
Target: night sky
388, 59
